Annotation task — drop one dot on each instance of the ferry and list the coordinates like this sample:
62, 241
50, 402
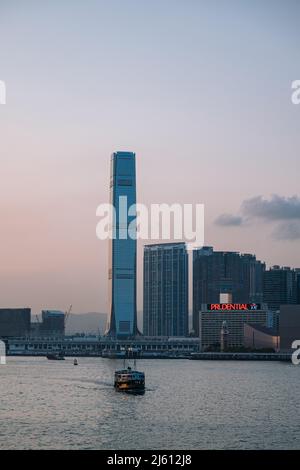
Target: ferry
130, 381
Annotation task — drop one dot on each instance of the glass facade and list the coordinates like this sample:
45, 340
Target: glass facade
165, 290
122, 249
220, 272
280, 287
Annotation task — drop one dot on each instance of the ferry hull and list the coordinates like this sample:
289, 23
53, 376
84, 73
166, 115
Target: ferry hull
130, 388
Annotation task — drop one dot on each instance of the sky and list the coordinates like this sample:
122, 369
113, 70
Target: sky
199, 90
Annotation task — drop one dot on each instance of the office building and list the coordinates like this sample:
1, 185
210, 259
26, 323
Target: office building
122, 261
289, 326
53, 323
14, 322
280, 287
218, 272
273, 320
297, 271
212, 317
165, 290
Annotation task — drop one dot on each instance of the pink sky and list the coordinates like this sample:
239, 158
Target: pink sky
206, 108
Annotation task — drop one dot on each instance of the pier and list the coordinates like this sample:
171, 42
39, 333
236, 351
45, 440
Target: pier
102, 346
142, 347
249, 356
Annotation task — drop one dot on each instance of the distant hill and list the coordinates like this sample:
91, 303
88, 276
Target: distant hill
92, 322
88, 323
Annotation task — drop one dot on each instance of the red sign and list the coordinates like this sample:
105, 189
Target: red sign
230, 307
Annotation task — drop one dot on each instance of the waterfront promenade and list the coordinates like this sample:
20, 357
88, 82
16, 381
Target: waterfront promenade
142, 347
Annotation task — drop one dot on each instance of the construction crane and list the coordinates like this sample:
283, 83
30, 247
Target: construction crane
67, 314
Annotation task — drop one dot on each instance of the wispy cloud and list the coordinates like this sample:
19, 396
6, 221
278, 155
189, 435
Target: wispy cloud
287, 231
229, 220
276, 209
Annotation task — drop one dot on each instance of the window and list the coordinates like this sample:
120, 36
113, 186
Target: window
124, 182
124, 326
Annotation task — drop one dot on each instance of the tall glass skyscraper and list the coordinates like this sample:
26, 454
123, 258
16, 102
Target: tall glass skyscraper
122, 250
165, 290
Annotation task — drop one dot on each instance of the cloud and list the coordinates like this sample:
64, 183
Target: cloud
229, 220
276, 208
287, 231
283, 210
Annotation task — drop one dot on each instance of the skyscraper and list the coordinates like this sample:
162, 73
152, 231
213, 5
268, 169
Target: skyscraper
165, 290
297, 270
122, 249
280, 287
221, 272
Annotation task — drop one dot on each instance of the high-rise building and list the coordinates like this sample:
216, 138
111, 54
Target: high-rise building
14, 322
289, 326
279, 287
165, 290
122, 250
221, 272
297, 270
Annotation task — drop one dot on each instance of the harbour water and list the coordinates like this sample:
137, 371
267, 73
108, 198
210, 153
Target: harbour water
187, 405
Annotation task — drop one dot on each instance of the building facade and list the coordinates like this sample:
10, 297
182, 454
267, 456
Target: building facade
280, 287
212, 317
165, 310
273, 320
260, 337
219, 272
53, 323
297, 271
289, 326
14, 322
122, 250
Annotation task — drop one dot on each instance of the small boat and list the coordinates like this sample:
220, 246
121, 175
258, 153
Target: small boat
56, 357
75, 362
130, 381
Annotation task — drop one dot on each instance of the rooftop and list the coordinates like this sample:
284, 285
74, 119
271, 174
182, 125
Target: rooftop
263, 329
